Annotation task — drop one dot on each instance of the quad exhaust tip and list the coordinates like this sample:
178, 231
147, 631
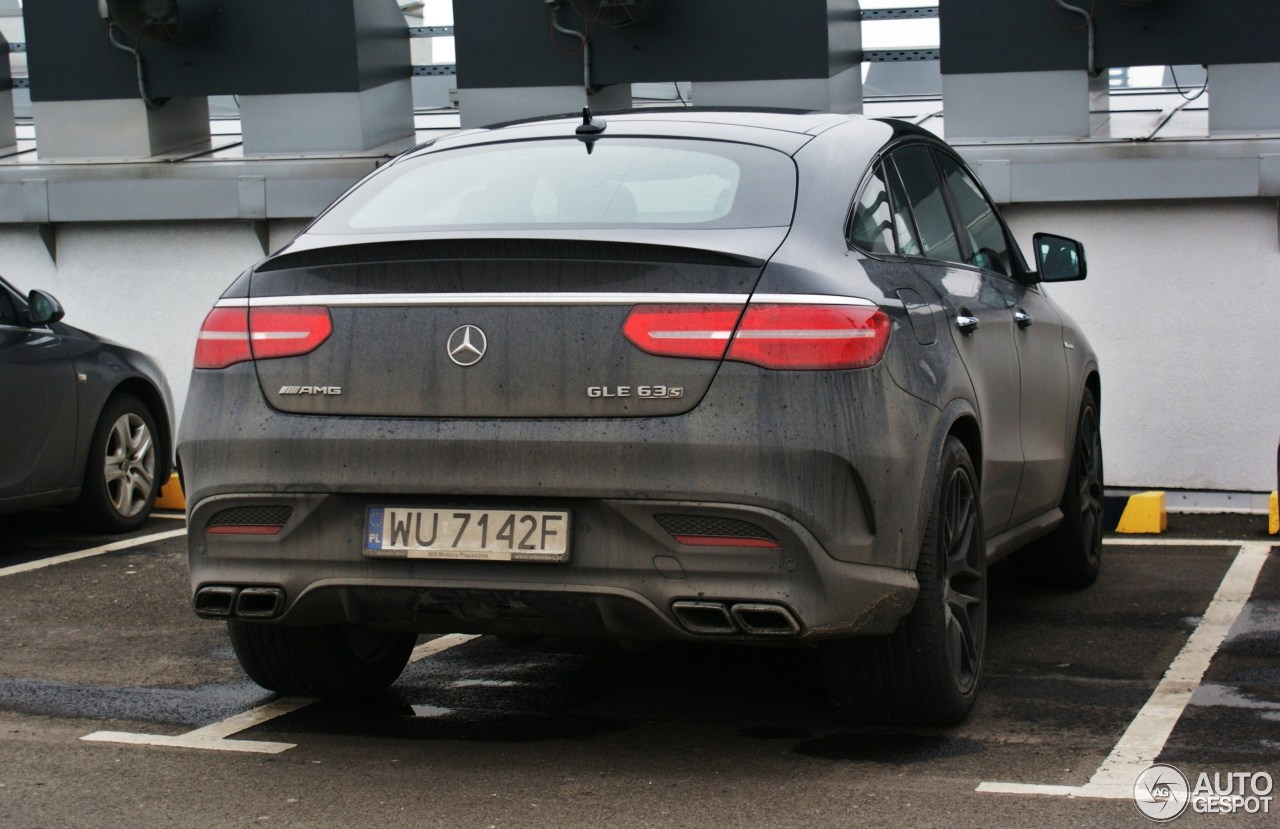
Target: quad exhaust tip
765, 619
228, 602
725, 618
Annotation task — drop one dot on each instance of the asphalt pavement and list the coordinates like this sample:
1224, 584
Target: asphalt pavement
562, 733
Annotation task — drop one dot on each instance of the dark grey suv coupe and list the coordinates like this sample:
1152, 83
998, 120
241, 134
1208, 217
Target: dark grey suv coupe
83, 421
752, 377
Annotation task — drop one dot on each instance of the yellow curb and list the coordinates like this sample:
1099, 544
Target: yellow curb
171, 496
1145, 513
1273, 523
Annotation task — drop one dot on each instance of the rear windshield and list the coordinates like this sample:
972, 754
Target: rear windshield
622, 182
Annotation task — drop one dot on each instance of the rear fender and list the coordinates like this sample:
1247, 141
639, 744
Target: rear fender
956, 411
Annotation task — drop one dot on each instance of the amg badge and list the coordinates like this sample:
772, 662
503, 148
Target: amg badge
328, 391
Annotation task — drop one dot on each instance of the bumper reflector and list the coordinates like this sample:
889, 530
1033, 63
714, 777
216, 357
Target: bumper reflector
725, 541
255, 520
245, 529
716, 531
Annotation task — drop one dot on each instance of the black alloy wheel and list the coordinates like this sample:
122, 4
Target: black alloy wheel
1071, 557
928, 671
964, 588
329, 661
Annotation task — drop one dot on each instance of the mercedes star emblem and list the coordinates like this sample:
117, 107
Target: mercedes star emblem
467, 345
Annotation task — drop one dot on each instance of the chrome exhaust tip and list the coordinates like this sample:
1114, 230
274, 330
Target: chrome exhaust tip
215, 602
710, 618
223, 601
259, 603
765, 619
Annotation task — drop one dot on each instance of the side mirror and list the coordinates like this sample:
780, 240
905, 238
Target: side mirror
43, 309
1059, 259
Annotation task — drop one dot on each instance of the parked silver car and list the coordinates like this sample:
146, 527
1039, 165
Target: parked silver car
751, 377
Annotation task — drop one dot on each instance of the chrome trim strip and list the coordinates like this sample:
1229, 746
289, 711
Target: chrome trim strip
456, 299
808, 299
817, 334
242, 336
690, 335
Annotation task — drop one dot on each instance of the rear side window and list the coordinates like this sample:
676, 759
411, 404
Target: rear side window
922, 192
979, 219
871, 225
622, 182
903, 224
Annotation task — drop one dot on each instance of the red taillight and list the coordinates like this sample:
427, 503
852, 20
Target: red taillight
682, 330
288, 332
811, 336
776, 336
233, 335
224, 338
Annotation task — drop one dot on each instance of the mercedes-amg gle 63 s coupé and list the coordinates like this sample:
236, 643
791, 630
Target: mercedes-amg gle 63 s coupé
751, 377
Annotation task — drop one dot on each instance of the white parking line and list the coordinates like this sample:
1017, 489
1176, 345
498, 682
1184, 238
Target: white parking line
1143, 741
441, 643
1174, 542
214, 737
91, 552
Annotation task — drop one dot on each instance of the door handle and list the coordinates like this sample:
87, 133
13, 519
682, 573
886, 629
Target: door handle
966, 323
1022, 318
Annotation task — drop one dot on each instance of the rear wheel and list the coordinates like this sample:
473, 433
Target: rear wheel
340, 661
1072, 556
927, 672
120, 483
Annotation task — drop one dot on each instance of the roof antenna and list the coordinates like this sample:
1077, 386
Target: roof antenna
590, 124
590, 129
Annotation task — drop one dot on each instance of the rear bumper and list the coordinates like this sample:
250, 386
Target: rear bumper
834, 476
626, 577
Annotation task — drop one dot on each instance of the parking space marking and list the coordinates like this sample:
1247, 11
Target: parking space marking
439, 644
91, 552
1174, 542
1143, 741
214, 737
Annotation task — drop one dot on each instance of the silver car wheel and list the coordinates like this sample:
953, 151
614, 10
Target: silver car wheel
129, 470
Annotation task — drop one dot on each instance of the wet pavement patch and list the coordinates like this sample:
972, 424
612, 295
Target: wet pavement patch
30, 536
1234, 716
197, 706
1062, 703
393, 716
775, 732
898, 749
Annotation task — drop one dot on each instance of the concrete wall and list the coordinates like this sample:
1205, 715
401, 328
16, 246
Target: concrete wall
1181, 303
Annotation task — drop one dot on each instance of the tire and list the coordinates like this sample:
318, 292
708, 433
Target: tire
120, 478
1071, 557
928, 671
336, 661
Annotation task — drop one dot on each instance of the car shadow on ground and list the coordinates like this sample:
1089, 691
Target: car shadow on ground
28, 536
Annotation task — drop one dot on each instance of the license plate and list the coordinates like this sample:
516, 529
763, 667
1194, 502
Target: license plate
467, 534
